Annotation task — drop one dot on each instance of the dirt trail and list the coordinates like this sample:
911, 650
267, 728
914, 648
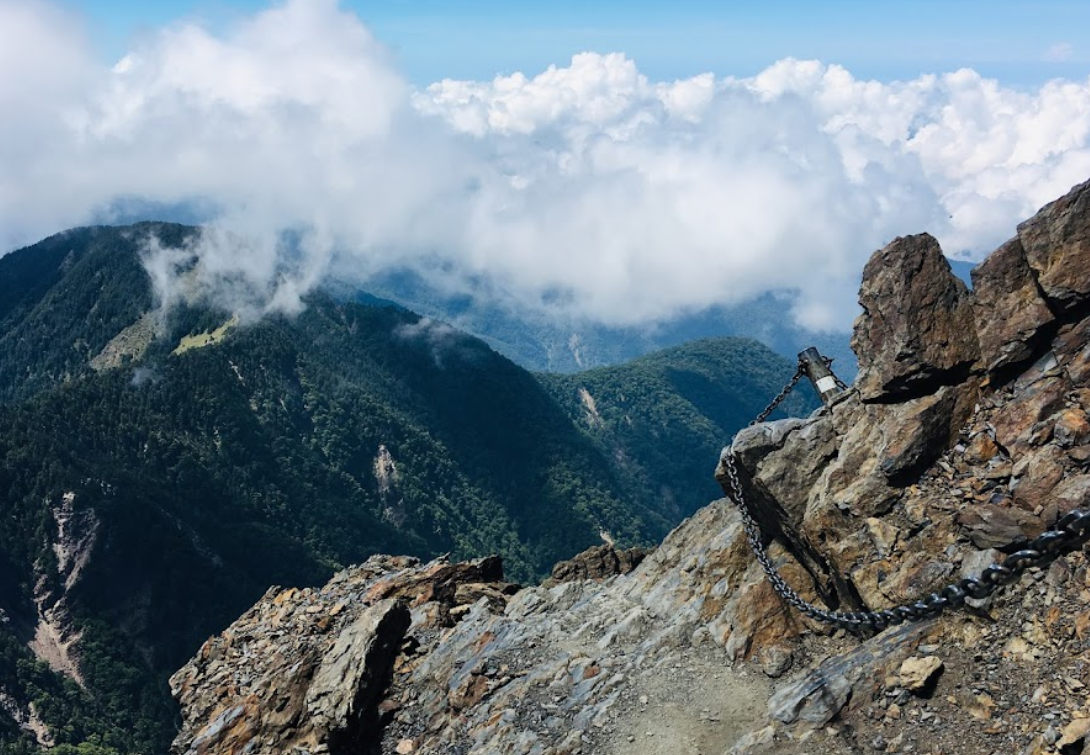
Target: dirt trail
699, 706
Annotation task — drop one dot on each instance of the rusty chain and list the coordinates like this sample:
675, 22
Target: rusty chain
1070, 532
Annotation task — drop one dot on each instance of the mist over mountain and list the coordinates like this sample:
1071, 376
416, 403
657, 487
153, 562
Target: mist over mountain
559, 342
583, 191
161, 467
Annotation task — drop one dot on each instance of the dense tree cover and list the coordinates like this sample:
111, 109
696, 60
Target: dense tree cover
294, 447
663, 418
63, 299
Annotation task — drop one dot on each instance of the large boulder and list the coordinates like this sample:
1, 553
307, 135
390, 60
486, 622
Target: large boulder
916, 332
1057, 244
1010, 312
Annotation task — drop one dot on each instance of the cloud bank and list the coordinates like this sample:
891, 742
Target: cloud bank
585, 189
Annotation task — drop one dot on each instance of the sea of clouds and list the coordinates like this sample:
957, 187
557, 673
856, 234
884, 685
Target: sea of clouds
586, 188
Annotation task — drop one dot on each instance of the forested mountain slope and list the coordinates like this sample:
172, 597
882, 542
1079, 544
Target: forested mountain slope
159, 471
662, 416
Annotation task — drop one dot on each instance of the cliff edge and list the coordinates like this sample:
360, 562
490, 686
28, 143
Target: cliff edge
966, 434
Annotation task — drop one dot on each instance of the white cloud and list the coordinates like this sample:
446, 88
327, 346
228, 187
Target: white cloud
586, 188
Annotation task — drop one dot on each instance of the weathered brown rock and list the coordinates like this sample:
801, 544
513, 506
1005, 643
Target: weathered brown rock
819, 696
353, 674
598, 563
1072, 348
307, 669
916, 331
302, 695
1041, 469
1073, 736
789, 475
917, 432
1027, 419
1008, 307
917, 672
999, 526
1057, 245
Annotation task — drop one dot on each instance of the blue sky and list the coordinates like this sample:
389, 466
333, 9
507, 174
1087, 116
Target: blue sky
1019, 43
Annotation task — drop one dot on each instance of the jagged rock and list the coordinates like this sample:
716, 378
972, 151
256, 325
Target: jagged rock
917, 574
1073, 736
1072, 345
819, 696
998, 526
804, 451
916, 331
776, 660
1071, 493
1026, 421
916, 672
1057, 244
919, 431
307, 668
352, 676
755, 443
1039, 471
981, 449
599, 562
1072, 428
1008, 307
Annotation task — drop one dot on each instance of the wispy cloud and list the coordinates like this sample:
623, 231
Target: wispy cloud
1059, 53
586, 188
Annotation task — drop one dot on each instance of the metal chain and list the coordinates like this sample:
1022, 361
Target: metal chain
1070, 532
784, 393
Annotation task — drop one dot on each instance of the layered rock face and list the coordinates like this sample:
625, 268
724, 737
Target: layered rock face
967, 433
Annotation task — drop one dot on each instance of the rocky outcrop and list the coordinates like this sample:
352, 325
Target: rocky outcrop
1057, 244
1009, 308
305, 670
916, 330
963, 438
597, 563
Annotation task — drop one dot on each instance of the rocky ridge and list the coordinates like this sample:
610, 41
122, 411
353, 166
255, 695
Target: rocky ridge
967, 433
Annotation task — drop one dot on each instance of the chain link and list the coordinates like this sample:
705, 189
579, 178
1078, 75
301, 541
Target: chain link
1070, 532
784, 393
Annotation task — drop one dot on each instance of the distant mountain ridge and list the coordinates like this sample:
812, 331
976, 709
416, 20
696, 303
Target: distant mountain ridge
551, 342
159, 473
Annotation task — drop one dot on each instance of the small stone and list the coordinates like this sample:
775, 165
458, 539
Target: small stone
776, 660
405, 746
916, 672
1073, 733
1017, 646
982, 706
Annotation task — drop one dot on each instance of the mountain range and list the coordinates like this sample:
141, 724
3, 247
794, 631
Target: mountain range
566, 343
161, 469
